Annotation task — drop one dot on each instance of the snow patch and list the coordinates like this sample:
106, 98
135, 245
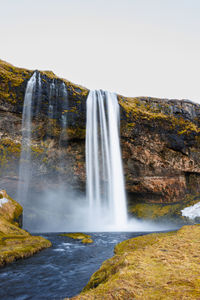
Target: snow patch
191, 212
3, 201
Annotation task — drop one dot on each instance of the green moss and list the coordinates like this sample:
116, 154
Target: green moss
12, 210
87, 241
137, 109
16, 243
17, 247
11, 80
71, 110
76, 235
85, 238
131, 124
9, 150
188, 128
53, 129
162, 211
49, 74
37, 150
76, 133
76, 89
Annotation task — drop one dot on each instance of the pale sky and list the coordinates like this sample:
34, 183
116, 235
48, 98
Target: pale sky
132, 47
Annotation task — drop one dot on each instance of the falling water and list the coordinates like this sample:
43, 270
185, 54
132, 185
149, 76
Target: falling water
39, 92
63, 133
105, 183
50, 110
25, 158
64, 116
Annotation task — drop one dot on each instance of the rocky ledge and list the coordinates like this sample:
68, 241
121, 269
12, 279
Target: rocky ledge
155, 266
15, 243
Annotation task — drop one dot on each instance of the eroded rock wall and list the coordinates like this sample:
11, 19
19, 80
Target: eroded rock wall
160, 139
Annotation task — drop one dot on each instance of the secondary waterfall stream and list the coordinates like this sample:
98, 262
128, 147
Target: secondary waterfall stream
25, 158
105, 183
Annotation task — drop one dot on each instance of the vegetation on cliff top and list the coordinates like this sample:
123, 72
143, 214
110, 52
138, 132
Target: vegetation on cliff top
155, 266
13, 83
159, 110
11, 79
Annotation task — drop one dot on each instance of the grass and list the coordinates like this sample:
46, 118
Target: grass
155, 266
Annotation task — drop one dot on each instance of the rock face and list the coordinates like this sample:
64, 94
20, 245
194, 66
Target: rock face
15, 243
161, 148
160, 139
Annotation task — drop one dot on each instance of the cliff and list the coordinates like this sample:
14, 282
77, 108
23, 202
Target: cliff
160, 139
15, 243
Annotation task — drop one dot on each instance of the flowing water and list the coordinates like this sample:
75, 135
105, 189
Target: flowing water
105, 183
25, 158
60, 271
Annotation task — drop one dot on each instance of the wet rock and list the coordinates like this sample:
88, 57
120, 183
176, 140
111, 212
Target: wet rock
160, 139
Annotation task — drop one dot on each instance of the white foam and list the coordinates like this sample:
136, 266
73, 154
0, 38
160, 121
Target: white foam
59, 250
191, 212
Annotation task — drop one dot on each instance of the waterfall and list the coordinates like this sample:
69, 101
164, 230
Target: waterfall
64, 116
39, 94
51, 95
63, 132
105, 183
25, 158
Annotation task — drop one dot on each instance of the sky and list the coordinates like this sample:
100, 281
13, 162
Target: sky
131, 47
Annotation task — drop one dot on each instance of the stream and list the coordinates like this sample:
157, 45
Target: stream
60, 271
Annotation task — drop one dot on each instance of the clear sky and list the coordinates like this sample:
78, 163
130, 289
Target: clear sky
132, 47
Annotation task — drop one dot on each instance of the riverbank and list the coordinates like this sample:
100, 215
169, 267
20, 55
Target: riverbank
155, 266
15, 243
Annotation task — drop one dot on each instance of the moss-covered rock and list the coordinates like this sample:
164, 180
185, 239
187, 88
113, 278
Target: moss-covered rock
85, 238
11, 210
163, 212
16, 243
87, 241
13, 83
76, 235
155, 266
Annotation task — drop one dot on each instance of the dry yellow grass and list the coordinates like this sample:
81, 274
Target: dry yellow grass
155, 266
16, 243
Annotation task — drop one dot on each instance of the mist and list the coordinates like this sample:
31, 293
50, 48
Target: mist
66, 210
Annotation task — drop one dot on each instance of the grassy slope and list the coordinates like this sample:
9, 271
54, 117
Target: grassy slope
16, 243
156, 266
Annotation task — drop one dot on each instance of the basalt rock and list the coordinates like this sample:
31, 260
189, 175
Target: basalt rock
160, 139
